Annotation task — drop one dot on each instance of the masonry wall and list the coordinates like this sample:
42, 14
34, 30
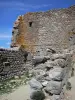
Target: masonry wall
50, 72
11, 63
51, 77
47, 29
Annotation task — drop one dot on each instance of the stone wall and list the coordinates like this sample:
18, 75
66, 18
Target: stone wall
50, 73
51, 76
11, 63
42, 30
46, 34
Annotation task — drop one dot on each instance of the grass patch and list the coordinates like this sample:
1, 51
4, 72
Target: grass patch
10, 85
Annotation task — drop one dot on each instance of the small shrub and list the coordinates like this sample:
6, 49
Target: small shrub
27, 73
68, 86
38, 95
72, 73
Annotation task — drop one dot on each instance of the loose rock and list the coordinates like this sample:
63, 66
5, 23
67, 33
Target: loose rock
35, 84
54, 87
56, 74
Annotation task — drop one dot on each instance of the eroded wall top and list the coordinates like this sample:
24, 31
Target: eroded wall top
39, 31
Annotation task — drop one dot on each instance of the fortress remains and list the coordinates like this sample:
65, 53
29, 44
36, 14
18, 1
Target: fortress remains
39, 31
46, 49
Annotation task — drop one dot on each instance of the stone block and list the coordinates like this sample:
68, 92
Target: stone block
54, 87
57, 74
58, 56
35, 84
39, 60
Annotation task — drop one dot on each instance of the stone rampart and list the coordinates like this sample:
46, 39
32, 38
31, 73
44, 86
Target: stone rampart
51, 76
11, 63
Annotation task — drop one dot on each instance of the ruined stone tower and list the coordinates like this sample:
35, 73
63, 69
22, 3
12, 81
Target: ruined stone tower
39, 31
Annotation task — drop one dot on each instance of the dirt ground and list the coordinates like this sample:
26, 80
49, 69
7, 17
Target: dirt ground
70, 94
22, 93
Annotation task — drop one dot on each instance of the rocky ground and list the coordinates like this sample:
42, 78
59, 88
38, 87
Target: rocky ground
16, 88
23, 92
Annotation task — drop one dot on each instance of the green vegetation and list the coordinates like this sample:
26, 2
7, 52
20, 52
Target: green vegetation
68, 86
13, 83
38, 95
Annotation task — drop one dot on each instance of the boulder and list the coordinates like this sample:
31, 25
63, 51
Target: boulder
57, 74
57, 62
39, 59
54, 87
35, 84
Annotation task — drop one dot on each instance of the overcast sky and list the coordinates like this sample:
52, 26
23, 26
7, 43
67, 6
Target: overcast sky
10, 9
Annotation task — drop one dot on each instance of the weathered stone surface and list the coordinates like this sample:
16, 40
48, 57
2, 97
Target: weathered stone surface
56, 97
38, 72
45, 83
51, 50
54, 87
35, 84
11, 63
58, 56
50, 64
57, 74
45, 30
56, 62
39, 32
40, 66
40, 78
48, 78
66, 75
54, 79
39, 60
60, 62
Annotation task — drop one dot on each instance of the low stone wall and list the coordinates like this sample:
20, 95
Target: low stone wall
50, 77
50, 73
11, 63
